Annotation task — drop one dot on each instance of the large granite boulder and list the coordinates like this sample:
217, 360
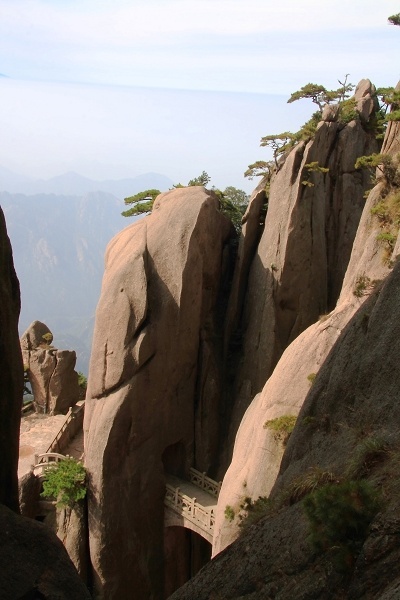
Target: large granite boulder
153, 398
51, 372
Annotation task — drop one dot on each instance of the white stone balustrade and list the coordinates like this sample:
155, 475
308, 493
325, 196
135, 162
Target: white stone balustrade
204, 482
190, 508
46, 460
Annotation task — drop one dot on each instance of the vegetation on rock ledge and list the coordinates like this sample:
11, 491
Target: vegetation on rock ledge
65, 481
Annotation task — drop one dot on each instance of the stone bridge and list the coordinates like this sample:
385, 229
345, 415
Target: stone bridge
192, 504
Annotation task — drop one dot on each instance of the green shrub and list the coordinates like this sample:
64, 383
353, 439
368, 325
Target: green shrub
348, 111
368, 453
339, 518
362, 286
282, 427
253, 510
229, 513
307, 483
387, 238
82, 382
311, 377
65, 481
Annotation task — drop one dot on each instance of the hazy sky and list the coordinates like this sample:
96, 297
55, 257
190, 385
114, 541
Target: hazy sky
117, 88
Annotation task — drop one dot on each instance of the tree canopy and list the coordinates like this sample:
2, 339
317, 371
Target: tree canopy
394, 19
142, 203
233, 202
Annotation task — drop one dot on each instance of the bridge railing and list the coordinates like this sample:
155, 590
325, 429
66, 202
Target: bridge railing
46, 460
205, 482
189, 507
67, 431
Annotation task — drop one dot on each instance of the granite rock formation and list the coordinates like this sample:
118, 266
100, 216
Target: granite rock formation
298, 268
351, 406
257, 455
11, 372
34, 563
51, 372
154, 383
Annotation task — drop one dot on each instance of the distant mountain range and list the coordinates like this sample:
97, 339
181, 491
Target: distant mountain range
73, 184
59, 240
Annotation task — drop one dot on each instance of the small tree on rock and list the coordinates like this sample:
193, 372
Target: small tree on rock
394, 19
65, 481
142, 203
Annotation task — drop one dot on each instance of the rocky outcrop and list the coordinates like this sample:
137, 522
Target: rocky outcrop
71, 529
257, 454
51, 372
34, 562
297, 272
154, 383
29, 494
351, 407
11, 372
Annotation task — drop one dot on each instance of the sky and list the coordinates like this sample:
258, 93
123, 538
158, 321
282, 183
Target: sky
117, 88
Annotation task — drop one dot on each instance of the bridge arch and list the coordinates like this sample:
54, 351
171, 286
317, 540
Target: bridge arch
173, 519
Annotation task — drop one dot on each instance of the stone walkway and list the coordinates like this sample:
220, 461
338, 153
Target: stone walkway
36, 434
191, 490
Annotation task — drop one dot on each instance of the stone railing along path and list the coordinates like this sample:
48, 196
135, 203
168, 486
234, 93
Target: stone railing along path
194, 501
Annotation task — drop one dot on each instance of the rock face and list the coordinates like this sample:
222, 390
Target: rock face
71, 529
297, 272
11, 372
154, 386
257, 453
51, 372
351, 406
33, 562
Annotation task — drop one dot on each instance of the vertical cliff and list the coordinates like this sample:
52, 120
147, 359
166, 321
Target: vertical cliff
298, 268
34, 563
154, 382
11, 372
351, 411
258, 453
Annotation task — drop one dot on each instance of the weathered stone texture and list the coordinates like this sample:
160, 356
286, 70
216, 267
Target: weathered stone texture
11, 372
149, 395
352, 399
257, 456
51, 372
297, 272
34, 563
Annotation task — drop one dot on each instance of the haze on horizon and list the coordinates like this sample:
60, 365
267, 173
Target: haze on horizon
117, 89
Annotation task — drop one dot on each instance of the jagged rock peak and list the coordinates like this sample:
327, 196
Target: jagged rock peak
51, 372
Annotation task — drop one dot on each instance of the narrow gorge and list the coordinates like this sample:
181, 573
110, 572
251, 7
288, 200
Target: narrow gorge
202, 339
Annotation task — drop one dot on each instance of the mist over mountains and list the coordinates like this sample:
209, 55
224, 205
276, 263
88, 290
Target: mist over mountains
77, 185
59, 230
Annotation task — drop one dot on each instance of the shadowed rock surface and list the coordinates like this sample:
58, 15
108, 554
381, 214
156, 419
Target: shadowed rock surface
34, 564
353, 401
11, 372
